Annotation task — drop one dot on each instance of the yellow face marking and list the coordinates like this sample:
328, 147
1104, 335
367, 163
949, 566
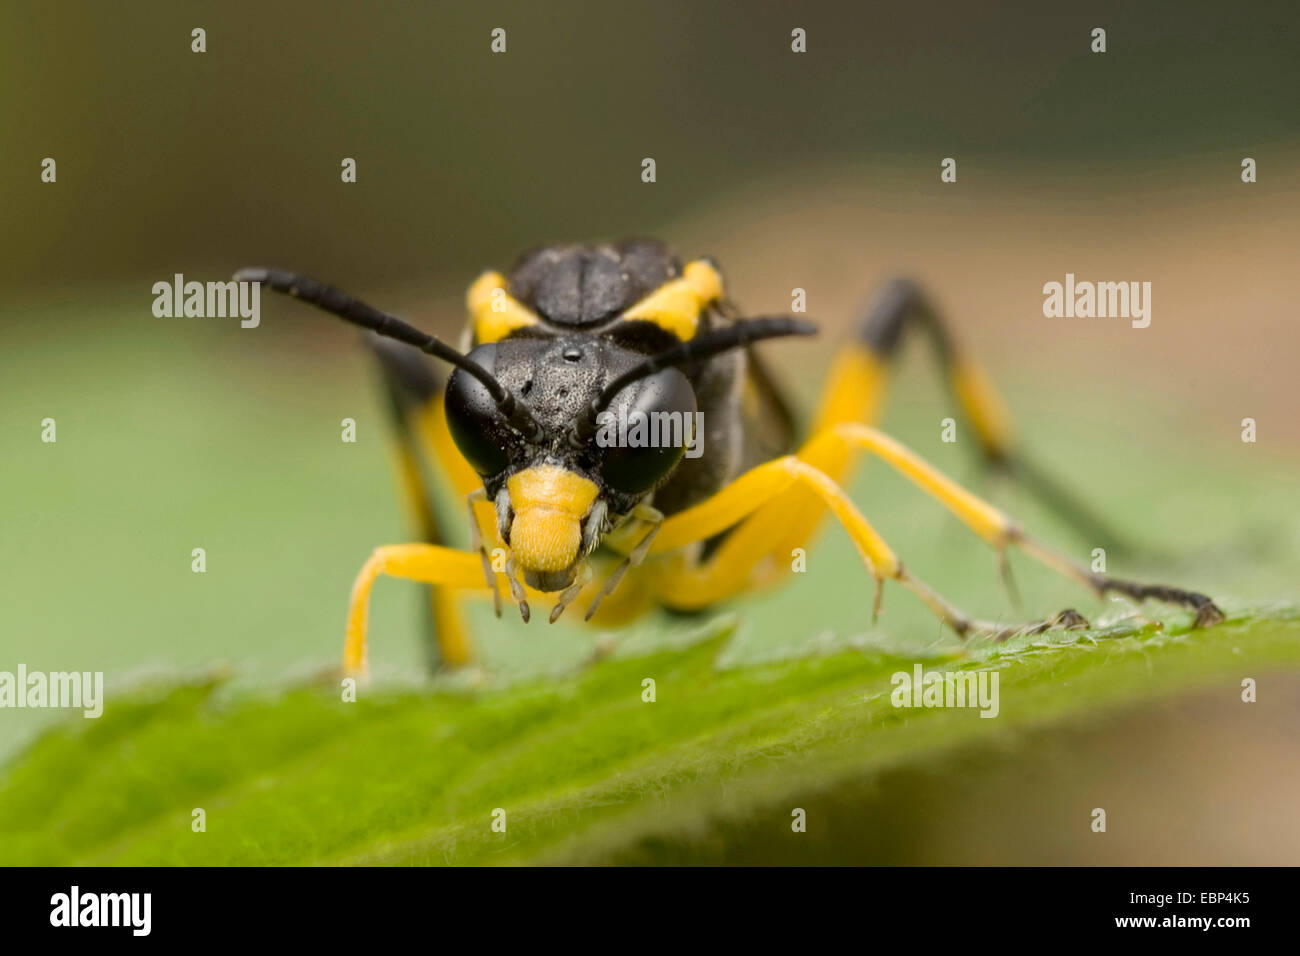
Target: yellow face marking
676, 306
549, 503
493, 312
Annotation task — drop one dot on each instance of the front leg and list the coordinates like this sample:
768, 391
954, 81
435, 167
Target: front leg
430, 563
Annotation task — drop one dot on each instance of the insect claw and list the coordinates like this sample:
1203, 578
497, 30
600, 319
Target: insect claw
880, 594
572, 591
1069, 619
1208, 614
517, 590
651, 517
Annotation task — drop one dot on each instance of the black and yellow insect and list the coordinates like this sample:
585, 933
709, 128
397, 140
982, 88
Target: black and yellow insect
575, 331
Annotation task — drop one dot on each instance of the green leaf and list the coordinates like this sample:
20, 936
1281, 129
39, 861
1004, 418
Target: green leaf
585, 770
781, 701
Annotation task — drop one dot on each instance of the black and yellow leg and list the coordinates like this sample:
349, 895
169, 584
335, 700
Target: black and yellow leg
995, 527
901, 306
741, 506
860, 377
855, 393
450, 572
731, 568
799, 491
414, 397
1207, 613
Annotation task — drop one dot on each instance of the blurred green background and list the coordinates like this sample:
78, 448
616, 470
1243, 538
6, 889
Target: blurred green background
818, 171
169, 158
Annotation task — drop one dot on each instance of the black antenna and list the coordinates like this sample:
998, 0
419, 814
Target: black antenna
339, 303
703, 346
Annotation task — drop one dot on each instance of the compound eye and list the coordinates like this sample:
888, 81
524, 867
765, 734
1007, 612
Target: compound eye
647, 430
476, 426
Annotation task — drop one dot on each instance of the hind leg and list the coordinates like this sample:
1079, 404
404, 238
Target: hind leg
860, 379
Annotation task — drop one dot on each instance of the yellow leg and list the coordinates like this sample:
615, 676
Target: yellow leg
855, 390
837, 443
901, 308
449, 571
693, 586
428, 427
766, 540
854, 396
454, 648
857, 387
445, 568
761, 498
450, 630
998, 530
855, 393
791, 509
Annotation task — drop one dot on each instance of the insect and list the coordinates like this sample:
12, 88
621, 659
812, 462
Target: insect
577, 337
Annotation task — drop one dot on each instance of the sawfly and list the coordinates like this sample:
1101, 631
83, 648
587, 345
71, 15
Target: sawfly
563, 507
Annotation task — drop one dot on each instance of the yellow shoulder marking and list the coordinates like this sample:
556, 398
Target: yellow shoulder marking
676, 306
493, 312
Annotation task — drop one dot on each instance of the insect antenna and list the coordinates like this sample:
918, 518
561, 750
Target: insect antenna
351, 310
703, 346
